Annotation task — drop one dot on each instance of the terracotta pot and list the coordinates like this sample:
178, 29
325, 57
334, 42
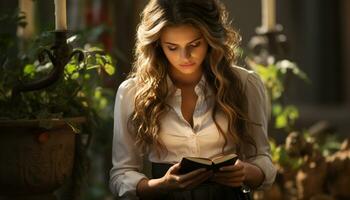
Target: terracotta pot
34, 162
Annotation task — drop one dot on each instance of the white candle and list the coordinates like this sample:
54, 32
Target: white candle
268, 14
60, 15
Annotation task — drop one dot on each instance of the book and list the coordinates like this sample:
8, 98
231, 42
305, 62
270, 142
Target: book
189, 164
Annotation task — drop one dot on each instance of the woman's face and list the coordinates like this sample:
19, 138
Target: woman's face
185, 48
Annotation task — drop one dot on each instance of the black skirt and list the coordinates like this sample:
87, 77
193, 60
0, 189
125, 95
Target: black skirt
205, 191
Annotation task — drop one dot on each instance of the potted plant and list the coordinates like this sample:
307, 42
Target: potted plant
42, 122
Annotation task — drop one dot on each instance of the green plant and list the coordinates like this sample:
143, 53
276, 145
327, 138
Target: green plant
274, 77
284, 116
279, 155
78, 92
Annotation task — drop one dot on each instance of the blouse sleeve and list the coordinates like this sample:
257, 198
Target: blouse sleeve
258, 114
126, 157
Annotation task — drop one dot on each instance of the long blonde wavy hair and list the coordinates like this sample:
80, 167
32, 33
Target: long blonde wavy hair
150, 68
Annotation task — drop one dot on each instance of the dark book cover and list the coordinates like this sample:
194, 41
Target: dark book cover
189, 164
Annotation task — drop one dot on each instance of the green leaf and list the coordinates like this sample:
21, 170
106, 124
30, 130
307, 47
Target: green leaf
70, 68
75, 76
108, 58
103, 103
276, 109
99, 60
29, 69
87, 76
98, 93
281, 121
92, 67
109, 69
293, 113
94, 49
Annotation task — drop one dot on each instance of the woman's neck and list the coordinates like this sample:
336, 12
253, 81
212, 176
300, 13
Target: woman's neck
185, 80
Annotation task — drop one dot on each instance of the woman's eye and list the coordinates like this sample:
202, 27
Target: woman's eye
171, 48
195, 44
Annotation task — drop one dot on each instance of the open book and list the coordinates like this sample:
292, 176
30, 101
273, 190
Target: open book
189, 164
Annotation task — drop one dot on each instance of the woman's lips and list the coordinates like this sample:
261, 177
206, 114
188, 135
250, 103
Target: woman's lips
187, 65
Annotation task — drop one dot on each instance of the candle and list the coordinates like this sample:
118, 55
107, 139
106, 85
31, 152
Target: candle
268, 14
27, 7
60, 15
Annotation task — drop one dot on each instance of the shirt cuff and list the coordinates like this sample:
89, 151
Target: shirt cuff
125, 187
265, 164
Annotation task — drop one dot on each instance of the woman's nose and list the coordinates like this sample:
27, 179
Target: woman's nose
185, 53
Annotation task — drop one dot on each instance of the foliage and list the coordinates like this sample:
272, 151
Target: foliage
279, 155
274, 77
327, 144
78, 92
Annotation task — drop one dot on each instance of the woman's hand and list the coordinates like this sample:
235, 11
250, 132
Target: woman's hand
239, 173
174, 181
232, 175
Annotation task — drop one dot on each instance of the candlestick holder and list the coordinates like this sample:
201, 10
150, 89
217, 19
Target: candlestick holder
59, 55
268, 45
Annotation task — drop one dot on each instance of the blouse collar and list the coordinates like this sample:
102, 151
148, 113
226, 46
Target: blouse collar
201, 89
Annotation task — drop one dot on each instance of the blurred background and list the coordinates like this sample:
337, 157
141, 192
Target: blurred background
318, 39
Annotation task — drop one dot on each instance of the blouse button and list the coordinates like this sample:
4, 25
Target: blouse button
193, 140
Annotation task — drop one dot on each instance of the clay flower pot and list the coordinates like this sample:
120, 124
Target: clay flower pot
35, 161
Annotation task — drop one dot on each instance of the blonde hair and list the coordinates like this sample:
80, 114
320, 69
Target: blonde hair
150, 68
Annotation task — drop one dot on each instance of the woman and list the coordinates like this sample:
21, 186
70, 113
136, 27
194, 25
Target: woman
185, 97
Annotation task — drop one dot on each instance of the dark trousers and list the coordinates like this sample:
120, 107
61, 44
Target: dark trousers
205, 191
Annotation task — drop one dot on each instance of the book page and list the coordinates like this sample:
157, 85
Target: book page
204, 161
224, 158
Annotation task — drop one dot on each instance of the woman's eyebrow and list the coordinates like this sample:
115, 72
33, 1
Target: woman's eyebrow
200, 37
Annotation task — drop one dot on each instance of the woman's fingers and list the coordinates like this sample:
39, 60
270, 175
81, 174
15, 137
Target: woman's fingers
232, 175
190, 175
191, 183
229, 181
175, 168
172, 180
236, 167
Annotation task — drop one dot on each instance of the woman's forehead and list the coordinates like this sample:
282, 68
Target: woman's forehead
180, 34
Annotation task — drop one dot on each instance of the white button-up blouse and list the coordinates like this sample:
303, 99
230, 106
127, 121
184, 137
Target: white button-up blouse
180, 139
